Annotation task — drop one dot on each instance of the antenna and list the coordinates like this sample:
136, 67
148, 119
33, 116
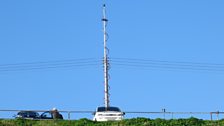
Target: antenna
105, 60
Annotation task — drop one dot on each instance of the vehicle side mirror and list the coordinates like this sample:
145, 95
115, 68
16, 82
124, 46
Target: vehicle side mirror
124, 113
94, 113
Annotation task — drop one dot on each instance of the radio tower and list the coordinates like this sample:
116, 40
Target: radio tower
105, 60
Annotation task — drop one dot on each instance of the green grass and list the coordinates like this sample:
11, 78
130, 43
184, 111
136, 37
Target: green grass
127, 122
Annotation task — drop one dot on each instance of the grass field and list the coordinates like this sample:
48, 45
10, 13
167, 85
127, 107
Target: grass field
127, 122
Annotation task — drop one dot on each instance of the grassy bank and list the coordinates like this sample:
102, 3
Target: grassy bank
127, 122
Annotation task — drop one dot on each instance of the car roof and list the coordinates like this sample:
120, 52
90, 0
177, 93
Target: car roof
27, 112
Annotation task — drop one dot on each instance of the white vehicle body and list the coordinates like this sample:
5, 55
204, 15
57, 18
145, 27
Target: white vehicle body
108, 114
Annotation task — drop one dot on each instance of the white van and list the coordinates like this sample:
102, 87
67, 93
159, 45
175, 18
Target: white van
108, 114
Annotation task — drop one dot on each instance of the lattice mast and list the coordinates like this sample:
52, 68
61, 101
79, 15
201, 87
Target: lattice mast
105, 60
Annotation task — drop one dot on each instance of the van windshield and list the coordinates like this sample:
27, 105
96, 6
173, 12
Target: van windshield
101, 109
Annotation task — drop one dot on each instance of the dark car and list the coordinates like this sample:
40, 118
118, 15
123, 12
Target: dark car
27, 115
51, 115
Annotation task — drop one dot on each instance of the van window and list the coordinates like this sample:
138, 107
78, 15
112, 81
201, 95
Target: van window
101, 109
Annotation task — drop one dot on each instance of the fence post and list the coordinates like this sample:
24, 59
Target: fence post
211, 116
164, 112
217, 113
69, 115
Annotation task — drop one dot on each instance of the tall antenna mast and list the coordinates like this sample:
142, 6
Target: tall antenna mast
105, 60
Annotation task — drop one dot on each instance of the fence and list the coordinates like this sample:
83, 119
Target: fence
74, 115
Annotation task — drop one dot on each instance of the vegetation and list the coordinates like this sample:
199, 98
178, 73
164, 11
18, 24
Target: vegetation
127, 122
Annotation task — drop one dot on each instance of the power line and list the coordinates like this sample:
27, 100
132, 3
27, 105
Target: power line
46, 67
164, 61
121, 62
53, 61
166, 67
50, 65
173, 65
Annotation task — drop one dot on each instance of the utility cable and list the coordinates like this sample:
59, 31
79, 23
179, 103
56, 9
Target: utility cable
50, 64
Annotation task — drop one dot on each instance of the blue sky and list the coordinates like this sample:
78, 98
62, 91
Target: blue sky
176, 31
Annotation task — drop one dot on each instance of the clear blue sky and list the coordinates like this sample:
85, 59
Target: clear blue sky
180, 31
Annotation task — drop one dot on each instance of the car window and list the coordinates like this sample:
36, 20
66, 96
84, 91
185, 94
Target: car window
33, 114
23, 114
46, 115
28, 114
